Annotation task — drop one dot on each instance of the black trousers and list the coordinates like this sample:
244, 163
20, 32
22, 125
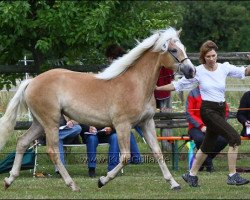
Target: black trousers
213, 115
198, 136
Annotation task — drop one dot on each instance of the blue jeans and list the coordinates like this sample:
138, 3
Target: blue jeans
92, 142
67, 133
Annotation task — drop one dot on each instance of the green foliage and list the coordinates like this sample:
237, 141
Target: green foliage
224, 22
78, 32
74, 31
9, 80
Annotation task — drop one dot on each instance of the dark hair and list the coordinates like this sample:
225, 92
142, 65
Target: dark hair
206, 47
114, 51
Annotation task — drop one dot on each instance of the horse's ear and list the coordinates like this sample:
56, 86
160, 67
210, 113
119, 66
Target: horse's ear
179, 32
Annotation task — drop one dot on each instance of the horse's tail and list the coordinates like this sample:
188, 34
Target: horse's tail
8, 121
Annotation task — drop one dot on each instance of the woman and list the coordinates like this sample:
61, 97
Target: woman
197, 128
211, 78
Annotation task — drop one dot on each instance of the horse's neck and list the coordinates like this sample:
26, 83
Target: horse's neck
147, 69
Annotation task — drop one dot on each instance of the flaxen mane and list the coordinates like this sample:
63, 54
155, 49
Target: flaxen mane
157, 40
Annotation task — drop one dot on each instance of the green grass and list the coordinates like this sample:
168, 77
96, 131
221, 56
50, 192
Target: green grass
143, 181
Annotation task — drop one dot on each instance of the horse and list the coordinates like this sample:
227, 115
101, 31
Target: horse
121, 96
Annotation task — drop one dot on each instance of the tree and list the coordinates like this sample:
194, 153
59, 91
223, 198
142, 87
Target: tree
76, 32
224, 22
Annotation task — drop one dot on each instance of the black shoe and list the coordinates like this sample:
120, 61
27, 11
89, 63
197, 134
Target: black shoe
236, 179
210, 169
92, 172
191, 180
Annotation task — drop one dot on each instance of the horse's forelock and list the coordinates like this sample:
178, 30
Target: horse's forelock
157, 40
164, 38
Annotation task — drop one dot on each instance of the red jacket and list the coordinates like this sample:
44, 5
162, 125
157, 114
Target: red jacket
165, 77
193, 105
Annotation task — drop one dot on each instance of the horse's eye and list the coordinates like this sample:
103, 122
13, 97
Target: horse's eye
173, 50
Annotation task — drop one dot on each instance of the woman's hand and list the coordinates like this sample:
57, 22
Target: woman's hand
92, 129
108, 130
70, 124
203, 129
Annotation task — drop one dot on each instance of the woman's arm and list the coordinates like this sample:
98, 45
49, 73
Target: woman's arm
168, 87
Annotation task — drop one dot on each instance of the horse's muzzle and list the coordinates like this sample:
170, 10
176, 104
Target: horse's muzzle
188, 71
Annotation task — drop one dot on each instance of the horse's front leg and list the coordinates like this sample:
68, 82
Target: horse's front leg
149, 133
23, 142
123, 135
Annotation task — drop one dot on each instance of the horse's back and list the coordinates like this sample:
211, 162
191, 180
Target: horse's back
56, 79
78, 95
88, 98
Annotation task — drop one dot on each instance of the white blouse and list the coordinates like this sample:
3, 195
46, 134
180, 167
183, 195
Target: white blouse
212, 83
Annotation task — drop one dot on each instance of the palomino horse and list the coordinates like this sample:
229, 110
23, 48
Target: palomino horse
120, 97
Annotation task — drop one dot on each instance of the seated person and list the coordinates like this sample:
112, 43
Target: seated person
68, 129
243, 115
197, 129
92, 137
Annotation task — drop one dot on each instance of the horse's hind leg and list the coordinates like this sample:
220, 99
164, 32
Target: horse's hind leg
149, 133
123, 135
23, 143
53, 151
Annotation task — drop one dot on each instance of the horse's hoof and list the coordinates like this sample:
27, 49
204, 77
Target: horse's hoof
100, 184
6, 185
176, 188
76, 189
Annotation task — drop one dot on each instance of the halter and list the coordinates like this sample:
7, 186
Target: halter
175, 57
179, 65
173, 54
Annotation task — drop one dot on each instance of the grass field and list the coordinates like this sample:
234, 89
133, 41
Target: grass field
143, 181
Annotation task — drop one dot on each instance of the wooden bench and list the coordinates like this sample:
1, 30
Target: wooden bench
175, 149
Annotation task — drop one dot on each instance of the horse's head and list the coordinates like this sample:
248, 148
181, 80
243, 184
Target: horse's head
175, 50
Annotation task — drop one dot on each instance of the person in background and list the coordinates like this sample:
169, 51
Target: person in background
197, 129
106, 134
113, 52
243, 113
68, 129
68, 132
211, 77
93, 136
163, 101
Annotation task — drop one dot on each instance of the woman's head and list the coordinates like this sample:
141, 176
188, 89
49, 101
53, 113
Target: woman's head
205, 48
